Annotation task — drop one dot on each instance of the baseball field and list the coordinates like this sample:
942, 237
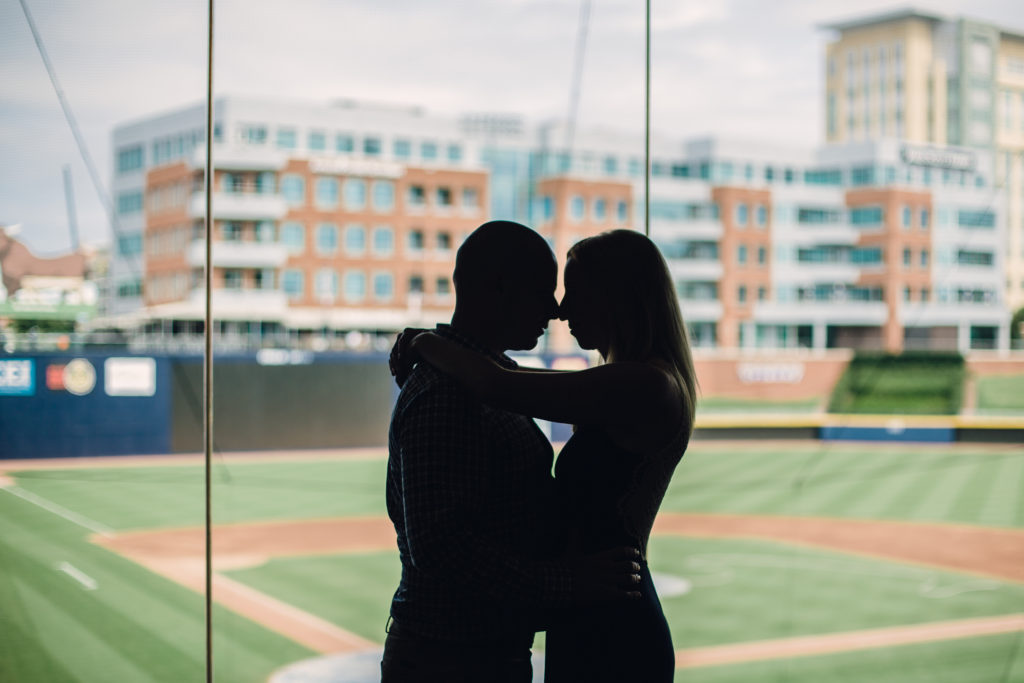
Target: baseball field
776, 561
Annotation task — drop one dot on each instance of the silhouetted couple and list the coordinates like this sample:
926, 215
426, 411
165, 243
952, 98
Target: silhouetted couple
493, 547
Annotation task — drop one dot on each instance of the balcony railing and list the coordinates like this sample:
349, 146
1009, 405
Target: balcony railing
229, 254
240, 206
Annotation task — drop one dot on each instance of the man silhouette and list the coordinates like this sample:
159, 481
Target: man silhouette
470, 491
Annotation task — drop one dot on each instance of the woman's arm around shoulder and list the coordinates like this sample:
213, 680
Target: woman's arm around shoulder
622, 393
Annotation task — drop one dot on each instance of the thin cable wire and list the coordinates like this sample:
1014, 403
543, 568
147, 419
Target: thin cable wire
208, 345
76, 133
647, 125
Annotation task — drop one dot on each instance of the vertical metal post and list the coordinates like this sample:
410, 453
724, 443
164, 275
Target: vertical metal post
208, 344
647, 125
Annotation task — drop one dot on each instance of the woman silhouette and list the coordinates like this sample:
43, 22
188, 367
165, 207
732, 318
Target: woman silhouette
633, 416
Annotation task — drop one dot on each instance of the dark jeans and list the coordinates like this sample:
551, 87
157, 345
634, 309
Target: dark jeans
410, 658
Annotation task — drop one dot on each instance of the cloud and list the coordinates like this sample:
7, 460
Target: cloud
729, 67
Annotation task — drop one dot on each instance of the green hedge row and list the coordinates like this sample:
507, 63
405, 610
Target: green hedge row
913, 383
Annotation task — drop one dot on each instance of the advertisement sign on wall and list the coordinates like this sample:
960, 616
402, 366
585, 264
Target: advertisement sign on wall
129, 376
17, 377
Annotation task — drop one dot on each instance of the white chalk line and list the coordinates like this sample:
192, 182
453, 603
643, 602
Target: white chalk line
719, 569
78, 575
69, 515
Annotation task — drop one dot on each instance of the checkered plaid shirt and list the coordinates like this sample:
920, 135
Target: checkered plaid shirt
471, 495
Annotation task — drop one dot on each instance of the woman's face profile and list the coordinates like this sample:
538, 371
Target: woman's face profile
582, 308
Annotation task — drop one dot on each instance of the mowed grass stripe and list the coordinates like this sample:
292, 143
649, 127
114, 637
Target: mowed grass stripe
746, 590
360, 587
966, 505
934, 502
102, 649
753, 479
23, 653
159, 497
883, 493
158, 617
1003, 499
985, 659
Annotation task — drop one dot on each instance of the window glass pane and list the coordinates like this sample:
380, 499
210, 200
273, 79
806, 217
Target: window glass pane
355, 193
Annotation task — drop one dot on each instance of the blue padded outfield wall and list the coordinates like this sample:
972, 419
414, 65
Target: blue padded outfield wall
78, 404
85, 404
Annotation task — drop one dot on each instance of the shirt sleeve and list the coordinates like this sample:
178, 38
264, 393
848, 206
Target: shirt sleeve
443, 475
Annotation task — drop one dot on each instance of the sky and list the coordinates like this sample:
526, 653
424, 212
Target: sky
727, 67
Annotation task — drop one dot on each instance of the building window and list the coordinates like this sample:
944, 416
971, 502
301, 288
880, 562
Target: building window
622, 212
317, 140
355, 193
325, 285
383, 286
129, 159
355, 239
762, 293
355, 285
741, 215
254, 135
600, 210
129, 202
232, 278
293, 237
577, 208
906, 217
287, 138
976, 219
924, 219
231, 231
417, 195
415, 241
371, 147
293, 282
129, 289
343, 142
444, 196
762, 256
866, 216
402, 149
415, 284
383, 195
443, 286
611, 166
428, 151
470, 198
741, 294
906, 258
129, 245
741, 254
454, 153
924, 258
383, 240
293, 189
444, 241
762, 215
906, 293
327, 239
327, 192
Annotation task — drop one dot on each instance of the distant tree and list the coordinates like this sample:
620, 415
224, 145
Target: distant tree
43, 326
1017, 325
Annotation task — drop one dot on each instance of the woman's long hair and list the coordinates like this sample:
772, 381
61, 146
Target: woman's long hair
631, 274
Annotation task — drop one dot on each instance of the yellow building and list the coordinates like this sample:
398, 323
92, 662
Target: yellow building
925, 78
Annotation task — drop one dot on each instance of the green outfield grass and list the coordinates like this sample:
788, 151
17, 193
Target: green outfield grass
136, 626
722, 404
1000, 395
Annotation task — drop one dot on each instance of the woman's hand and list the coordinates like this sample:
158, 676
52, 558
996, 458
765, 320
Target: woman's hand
472, 370
403, 357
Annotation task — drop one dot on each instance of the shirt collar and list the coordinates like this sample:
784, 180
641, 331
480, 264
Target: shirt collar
449, 332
